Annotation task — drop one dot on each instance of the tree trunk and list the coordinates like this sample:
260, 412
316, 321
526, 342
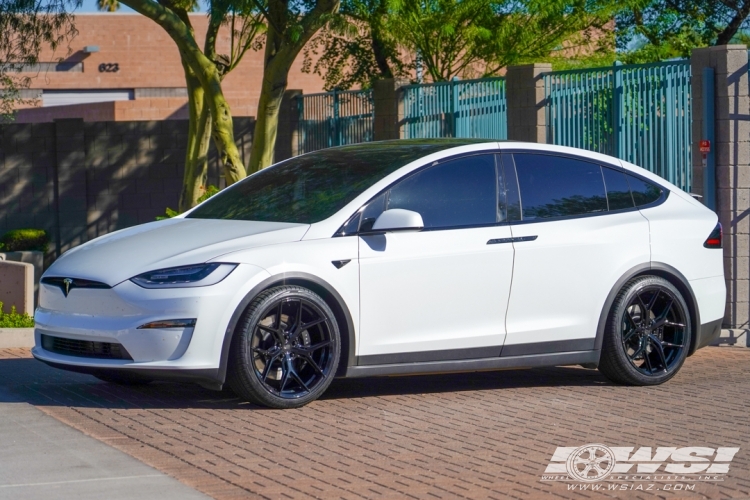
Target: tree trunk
380, 48
199, 137
222, 126
275, 73
210, 79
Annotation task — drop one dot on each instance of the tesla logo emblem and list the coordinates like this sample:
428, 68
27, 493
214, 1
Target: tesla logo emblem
67, 282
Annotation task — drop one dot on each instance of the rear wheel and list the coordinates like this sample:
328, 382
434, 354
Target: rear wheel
648, 333
285, 350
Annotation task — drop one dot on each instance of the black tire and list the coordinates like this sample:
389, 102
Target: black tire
648, 333
285, 350
121, 378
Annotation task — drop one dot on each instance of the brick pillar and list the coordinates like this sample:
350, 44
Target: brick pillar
288, 132
70, 185
388, 109
527, 114
732, 154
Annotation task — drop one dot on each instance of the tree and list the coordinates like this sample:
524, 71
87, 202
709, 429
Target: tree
108, 5
452, 37
291, 24
209, 112
654, 30
288, 27
357, 46
27, 26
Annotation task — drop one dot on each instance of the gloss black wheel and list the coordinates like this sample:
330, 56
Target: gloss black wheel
286, 350
648, 333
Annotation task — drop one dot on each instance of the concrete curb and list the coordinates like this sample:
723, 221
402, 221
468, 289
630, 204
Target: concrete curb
16, 337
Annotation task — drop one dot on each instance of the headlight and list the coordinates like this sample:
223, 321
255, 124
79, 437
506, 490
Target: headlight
185, 276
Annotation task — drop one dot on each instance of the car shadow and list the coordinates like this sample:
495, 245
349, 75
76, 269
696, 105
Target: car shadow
30, 381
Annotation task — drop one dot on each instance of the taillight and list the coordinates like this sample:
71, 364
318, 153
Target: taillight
714, 239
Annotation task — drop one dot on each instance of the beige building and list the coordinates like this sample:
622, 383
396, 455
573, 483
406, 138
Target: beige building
124, 67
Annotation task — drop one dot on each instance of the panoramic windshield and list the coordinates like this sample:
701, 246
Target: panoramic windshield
312, 187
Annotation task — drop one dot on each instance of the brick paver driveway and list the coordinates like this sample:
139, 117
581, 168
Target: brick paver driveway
480, 435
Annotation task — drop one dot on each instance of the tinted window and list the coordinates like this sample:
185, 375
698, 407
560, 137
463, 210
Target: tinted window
618, 190
644, 192
311, 187
460, 192
554, 186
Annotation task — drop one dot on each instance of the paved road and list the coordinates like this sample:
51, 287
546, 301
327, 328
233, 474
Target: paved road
481, 435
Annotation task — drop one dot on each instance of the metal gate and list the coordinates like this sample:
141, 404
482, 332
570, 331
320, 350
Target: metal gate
640, 113
334, 119
468, 108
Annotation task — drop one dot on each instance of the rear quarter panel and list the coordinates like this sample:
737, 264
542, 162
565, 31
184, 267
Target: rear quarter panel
678, 230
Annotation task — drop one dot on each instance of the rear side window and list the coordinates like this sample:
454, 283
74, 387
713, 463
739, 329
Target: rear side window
461, 192
618, 189
554, 186
644, 192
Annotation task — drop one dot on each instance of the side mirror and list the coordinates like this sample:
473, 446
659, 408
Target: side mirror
397, 219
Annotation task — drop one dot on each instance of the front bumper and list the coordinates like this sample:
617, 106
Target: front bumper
114, 315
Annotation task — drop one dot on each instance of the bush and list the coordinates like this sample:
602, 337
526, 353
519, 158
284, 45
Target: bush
15, 320
169, 213
20, 240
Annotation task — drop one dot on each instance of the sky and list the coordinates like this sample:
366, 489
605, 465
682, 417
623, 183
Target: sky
90, 6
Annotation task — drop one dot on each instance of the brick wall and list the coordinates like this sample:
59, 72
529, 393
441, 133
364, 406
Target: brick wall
142, 109
148, 59
80, 180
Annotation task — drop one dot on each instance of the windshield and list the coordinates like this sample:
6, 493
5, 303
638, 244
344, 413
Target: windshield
312, 187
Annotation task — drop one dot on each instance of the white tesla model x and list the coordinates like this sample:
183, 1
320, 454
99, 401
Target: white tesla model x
398, 257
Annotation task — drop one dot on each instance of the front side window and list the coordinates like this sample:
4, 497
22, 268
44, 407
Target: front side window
555, 186
456, 193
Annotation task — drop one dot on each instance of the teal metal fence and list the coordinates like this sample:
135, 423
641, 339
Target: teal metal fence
468, 108
334, 119
640, 113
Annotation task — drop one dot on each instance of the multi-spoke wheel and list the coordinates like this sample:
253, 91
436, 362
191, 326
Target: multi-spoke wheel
286, 348
648, 333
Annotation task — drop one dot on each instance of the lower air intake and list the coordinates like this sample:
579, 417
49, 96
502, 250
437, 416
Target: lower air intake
84, 348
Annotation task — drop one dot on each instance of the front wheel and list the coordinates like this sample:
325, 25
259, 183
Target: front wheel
648, 333
286, 348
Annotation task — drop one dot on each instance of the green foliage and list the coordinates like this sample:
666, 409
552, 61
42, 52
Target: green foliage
210, 191
26, 27
655, 30
373, 39
169, 213
597, 59
356, 47
20, 240
15, 320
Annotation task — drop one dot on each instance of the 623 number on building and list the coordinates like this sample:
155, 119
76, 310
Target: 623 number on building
109, 68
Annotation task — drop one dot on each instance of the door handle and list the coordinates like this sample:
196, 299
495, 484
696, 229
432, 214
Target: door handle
497, 241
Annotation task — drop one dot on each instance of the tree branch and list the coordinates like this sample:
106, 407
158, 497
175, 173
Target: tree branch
734, 25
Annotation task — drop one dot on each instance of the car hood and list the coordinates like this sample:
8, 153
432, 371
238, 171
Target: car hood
118, 256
